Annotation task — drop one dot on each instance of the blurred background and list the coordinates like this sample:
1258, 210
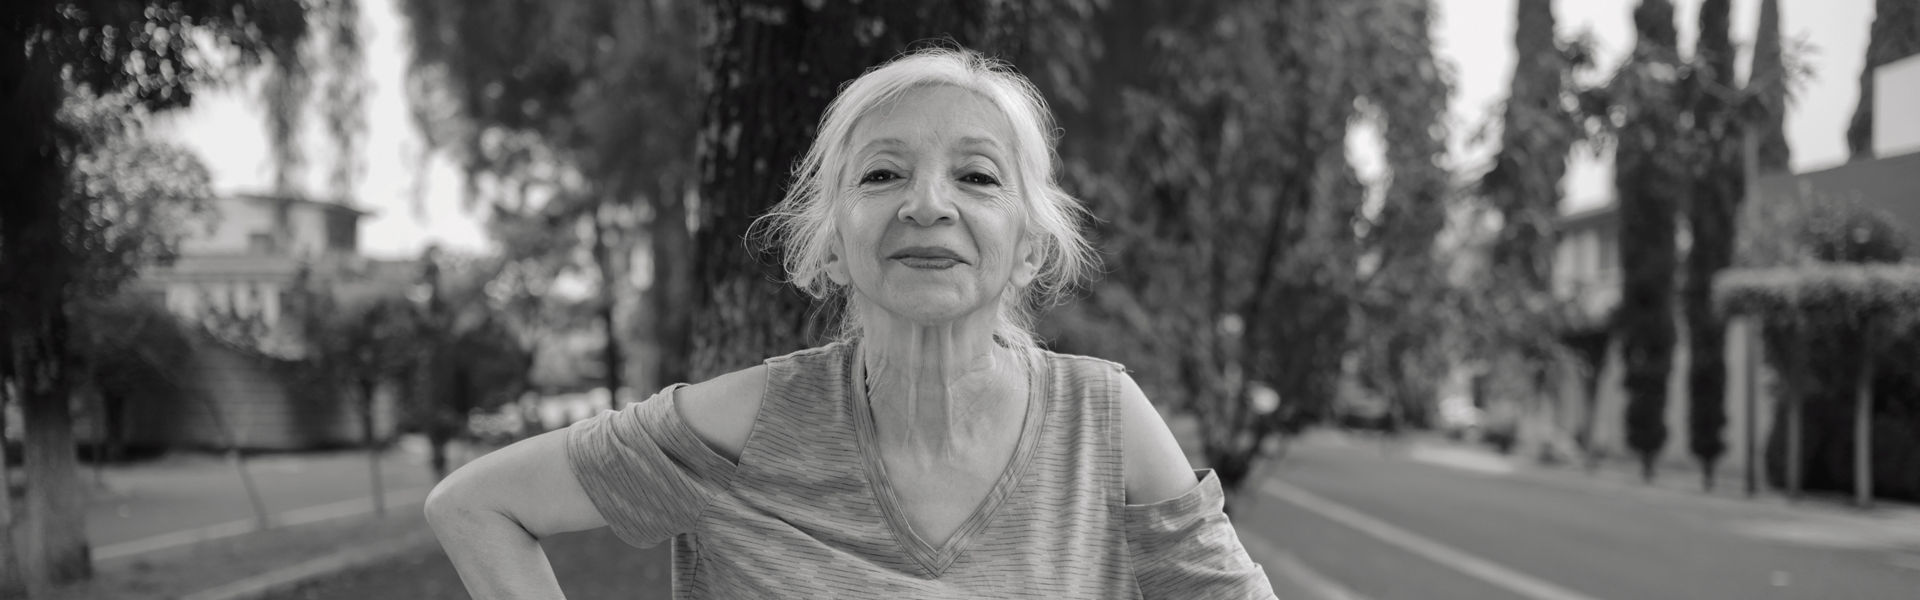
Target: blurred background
1461, 299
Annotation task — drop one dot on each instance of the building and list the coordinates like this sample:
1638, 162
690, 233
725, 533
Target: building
249, 265
1587, 274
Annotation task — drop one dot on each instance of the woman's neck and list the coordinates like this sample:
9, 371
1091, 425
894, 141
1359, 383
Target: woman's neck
931, 385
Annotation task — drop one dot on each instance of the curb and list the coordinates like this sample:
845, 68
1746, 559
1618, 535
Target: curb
404, 499
265, 585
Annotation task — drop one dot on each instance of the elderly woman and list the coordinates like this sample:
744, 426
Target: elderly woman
934, 451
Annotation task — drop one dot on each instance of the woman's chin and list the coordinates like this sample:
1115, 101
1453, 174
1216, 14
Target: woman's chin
931, 309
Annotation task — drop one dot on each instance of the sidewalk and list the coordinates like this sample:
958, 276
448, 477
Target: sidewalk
1823, 519
183, 526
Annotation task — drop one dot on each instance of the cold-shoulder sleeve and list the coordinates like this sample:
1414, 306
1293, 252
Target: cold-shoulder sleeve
646, 471
1184, 547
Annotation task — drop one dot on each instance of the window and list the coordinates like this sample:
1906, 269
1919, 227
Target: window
261, 243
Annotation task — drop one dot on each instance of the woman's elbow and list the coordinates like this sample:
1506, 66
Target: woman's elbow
450, 501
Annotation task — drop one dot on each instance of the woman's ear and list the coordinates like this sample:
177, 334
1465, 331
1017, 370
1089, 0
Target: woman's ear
837, 270
1027, 265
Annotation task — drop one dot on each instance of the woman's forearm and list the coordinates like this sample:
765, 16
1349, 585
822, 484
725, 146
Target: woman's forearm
495, 556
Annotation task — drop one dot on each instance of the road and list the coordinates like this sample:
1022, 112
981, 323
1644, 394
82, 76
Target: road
1344, 519
1429, 521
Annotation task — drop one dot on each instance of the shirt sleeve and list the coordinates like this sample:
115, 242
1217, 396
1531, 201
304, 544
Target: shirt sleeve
1184, 547
646, 471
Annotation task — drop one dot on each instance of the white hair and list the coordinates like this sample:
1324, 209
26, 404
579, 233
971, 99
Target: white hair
803, 224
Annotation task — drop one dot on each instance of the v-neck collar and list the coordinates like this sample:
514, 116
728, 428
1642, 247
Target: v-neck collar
936, 560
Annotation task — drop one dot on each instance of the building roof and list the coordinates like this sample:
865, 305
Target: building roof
1889, 184
298, 199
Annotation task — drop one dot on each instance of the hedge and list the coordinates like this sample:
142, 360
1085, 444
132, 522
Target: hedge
1889, 293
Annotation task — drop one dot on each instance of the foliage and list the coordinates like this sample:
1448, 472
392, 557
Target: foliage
1649, 186
1234, 236
1824, 294
130, 348
1895, 35
1718, 184
355, 343
1768, 79
1811, 276
575, 122
1806, 230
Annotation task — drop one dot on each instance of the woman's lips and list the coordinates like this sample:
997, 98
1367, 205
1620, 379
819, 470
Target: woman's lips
924, 262
927, 257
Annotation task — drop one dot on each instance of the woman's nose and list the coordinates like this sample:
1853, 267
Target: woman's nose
929, 203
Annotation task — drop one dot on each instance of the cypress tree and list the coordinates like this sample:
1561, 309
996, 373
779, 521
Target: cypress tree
1649, 189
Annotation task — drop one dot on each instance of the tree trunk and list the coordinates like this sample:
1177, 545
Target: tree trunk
56, 543
772, 67
609, 278
1794, 384
36, 266
1754, 363
13, 583
670, 295
367, 387
1863, 424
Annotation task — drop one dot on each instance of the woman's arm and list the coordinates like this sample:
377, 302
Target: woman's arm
1183, 545
491, 513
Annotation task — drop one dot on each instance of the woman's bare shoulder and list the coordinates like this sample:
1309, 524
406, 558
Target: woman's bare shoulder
721, 410
1155, 467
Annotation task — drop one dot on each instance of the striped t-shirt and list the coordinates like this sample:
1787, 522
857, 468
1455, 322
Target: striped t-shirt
808, 513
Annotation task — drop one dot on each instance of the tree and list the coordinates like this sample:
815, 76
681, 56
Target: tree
470, 357
1234, 237
355, 344
152, 55
759, 118
574, 119
1895, 35
1650, 189
1767, 81
1537, 132
1719, 184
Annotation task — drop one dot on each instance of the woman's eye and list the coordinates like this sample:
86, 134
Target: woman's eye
979, 179
879, 176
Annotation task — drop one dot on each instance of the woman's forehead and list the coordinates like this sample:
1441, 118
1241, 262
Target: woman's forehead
942, 115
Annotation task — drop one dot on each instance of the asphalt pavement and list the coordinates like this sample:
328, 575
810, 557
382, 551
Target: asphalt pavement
1427, 520
1338, 517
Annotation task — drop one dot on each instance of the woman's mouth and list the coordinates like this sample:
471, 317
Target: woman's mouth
927, 257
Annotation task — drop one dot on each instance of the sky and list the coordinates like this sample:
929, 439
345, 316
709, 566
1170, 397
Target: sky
415, 198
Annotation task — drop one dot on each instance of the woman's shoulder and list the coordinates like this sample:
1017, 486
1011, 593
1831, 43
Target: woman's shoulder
722, 410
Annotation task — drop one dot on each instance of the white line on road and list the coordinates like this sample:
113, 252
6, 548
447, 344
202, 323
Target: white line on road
1486, 570
1465, 460
1289, 568
272, 583
397, 499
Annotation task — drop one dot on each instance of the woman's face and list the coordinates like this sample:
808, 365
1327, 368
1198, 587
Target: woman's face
930, 215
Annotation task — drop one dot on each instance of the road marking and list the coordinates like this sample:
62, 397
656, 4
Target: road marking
1486, 570
1288, 567
269, 584
1465, 460
1905, 561
397, 499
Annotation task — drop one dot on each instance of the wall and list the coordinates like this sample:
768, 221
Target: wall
1896, 93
